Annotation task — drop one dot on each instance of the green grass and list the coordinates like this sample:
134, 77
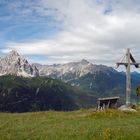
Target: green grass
76, 125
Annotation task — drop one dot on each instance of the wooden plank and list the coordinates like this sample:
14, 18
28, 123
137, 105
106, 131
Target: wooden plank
122, 63
108, 98
128, 78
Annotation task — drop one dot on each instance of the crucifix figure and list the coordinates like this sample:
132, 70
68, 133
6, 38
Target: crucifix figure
127, 61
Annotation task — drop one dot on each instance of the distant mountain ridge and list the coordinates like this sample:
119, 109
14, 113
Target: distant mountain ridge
72, 70
15, 64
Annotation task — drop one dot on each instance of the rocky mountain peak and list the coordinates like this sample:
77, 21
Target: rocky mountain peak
14, 64
13, 53
84, 61
12, 56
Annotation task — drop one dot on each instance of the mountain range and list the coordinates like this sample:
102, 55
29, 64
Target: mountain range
83, 82
101, 79
72, 70
83, 74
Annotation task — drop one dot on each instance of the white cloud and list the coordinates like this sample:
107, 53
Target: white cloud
88, 32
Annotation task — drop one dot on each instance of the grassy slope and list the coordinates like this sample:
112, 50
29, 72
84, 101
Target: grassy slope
77, 125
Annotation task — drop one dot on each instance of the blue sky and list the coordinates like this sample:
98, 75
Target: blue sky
52, 31
20, 21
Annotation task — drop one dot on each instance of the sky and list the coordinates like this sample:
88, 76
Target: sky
60, 31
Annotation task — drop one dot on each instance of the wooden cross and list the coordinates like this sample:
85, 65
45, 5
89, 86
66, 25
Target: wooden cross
127, 61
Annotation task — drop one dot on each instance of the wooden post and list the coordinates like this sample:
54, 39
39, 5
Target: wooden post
129, 60
108, 103
116, 105
128, 78
98, 105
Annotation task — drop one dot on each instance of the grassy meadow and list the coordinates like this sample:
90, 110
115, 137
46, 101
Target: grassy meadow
76, 125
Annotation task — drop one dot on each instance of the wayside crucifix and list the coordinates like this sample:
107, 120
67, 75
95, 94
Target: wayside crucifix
127, 61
